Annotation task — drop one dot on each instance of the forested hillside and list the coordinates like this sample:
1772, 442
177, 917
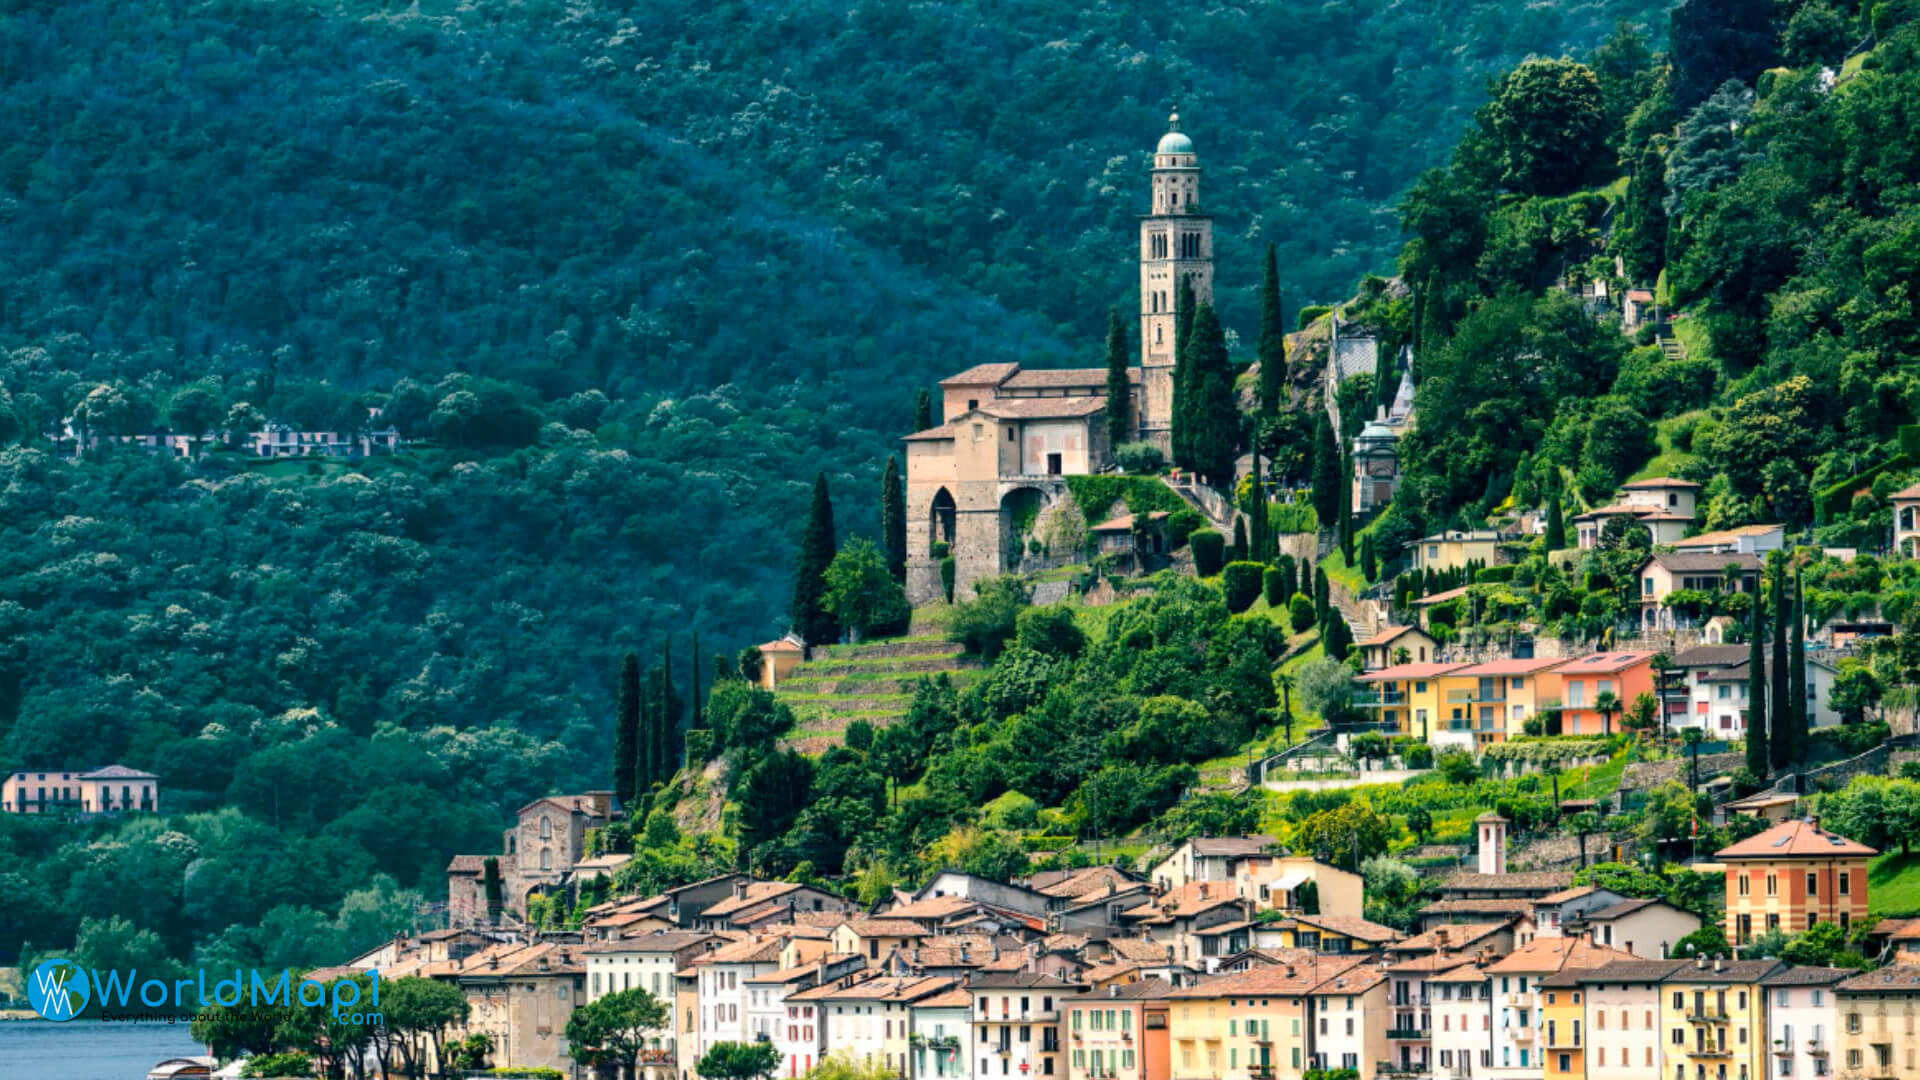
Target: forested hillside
628, 277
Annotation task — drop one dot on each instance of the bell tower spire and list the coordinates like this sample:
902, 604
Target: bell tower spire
1176, 244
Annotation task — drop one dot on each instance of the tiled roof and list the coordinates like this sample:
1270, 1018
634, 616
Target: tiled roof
941, 431
1551, 880
1388, 634
1565, 895
1441, 597
1731, 971
1808, 975
1100, 973
1711, 656
1410, 671
1510, 667
1357, 980
1603, 663
982, 375
1138, 990
750, 951
117, 772
467, 864
1231, 845
1553, 954
1622, 909
1724, 536
954, 997
662, 941
1896, 978
1912, 491
1631, 971
1614, 510
1042, 408
1430, 963
1124, 523
884, 927
1795, 839
1704, 562
1352, 926
1309, 971
1517, 905
1658, 482
1457, 936
933, 907
1138, 949
1014, 980
1041, 378
1190, 899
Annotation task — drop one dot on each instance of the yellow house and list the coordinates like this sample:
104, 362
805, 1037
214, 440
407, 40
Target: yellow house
1878, 1035
1488, 703
1254, 1023
1336, 934
1712, 1016
1454, 548
1404, 695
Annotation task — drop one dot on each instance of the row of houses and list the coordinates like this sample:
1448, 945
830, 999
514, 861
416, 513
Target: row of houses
1471, 705
1228, 959
271, 440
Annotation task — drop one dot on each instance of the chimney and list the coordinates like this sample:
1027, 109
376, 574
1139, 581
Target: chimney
1814, 821
739, 890
963, 954
1289, 971
1169, 952
493, 961
1700, 962
1113, 991
1203, 890
1718, 965
1440, 939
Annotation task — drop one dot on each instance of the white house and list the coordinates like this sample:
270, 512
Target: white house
1645, 927
1462, 1008
644, 963
723, 982
1207, 858
1622, 1017
1802, 1021
1718, 696
940, 1025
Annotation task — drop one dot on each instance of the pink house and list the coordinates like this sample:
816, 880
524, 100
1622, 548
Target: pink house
1626, 675
108, 790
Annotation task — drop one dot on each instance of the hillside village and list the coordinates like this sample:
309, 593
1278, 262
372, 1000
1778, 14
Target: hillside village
1570, 795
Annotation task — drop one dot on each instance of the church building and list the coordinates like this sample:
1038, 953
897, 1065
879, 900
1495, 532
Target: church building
1009, 436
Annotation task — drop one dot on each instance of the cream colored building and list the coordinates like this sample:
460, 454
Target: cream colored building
1880, 1024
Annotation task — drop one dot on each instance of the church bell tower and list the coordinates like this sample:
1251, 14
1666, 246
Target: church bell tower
1176, 243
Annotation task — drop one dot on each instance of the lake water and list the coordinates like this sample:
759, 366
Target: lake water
89, 1049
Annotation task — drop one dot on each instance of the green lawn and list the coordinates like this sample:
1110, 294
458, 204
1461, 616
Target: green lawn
1669, 460
1893, 884
1693, 335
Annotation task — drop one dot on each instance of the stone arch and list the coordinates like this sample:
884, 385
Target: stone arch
940, 518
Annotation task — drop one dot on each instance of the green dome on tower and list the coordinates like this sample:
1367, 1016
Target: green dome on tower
1174, 142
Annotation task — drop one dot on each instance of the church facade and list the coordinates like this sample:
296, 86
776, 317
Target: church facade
1009, 436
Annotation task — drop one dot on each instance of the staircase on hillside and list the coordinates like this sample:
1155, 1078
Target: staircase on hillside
871, 681
1671, 347
1211, 505
1364, 616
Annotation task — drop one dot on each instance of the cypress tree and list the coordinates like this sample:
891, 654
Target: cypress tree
1556, 517
1320, 602
1368, 565
1384, 384
1240, 548
1758, 762
1210, 414
1119, 387
1336, 637
1346, 511
893, 520
1273, 339
1780, 746
1326, 472
817, 547
643, 764
1289, 576
494, 888
1184, 386
1643, 245
1797, 670
923, 411
626, 729
1261, 533
667, 728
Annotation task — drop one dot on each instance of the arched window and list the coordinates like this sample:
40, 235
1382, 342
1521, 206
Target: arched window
546, 828
546, 858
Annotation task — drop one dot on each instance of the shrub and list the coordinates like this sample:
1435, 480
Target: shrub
699, 742
1418, 756
1299, 613
1293, 518
1271, 583
1494, 574
987, 622
859, 735
1139, 457
288, 1064
1181, 525
946, 577
1241, 583
941, 549
1050, 631
1209, 552
1309, 313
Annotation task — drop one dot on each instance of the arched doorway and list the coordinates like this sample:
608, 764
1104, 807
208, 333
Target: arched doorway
940, 518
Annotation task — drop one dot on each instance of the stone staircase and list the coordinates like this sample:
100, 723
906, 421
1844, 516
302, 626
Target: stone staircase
871, 681
1671, 347
1365, 617
1210, 504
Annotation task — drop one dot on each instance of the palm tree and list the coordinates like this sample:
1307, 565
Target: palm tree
1693, 737
1606, 704
1284, 682
1552, 771
1584, 824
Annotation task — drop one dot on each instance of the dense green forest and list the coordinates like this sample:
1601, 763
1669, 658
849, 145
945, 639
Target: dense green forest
627, 277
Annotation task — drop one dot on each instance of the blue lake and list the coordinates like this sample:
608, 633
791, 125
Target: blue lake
89, 1049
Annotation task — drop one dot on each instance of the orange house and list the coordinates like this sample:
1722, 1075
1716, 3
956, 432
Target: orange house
1792, 876
1625, 675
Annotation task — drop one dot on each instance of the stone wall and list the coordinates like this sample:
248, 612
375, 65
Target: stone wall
1643, 775
1832, 777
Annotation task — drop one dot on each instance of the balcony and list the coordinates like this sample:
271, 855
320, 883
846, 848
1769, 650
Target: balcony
1388, 1068
1475, 697
1376, 699
1560, 1040
1708, 1015
1409, 1033
1709, 1052
1520, 1034
1817, 1048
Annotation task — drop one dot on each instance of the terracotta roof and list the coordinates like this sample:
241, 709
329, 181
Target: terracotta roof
467, 864
982, 375
1441, 597
117, 772
1724, 536
757, 893
884, 927
780, 645
1798, 838
1190, 899
659, 941
1543, 955
528, 960
1124, 523
942, 431
1409, 671
1624, 908
1565, 895
1910, 492
1630, 971
1510, 667
1704, 562
1038, 378
750, 951
1100, 973
1014, 980
1458, 936
1042, 408
1352, 981
933, 907
1640, 296
1658, 482
1614, 510
1893, 979
1731, 971
1550, 880
1138, 949
1292, 977
1352, 926
954, 997
1085, 881
1898, 929
1603, 663
1148, 989
1465, 973
1430, 963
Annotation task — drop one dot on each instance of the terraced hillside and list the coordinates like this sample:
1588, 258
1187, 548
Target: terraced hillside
872, 681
